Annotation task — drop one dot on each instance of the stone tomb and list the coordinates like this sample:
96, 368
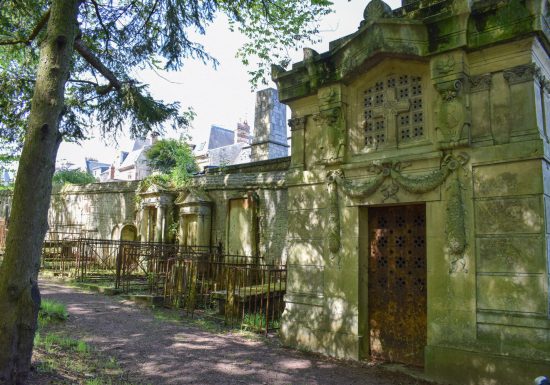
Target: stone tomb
418, 213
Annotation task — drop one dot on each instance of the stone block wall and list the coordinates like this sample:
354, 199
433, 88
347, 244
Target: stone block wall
266, 182
100, 209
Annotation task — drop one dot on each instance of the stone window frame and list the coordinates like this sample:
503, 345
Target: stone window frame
356, 114
407, 92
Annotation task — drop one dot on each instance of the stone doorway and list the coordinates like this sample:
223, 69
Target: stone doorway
241, 230
397, 305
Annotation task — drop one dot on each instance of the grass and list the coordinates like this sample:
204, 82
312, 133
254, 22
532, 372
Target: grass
52, 311
61, 359
257, 321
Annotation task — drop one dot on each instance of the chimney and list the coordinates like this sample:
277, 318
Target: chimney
112, 176
243, 132
270, 127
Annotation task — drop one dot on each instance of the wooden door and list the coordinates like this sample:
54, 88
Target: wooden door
397, 283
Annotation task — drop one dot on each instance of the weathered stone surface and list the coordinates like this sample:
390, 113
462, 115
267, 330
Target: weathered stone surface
512, 293
307, 223
508, 179
511, 254
510, 215
527, 341
310, 252
313, 285
308, 197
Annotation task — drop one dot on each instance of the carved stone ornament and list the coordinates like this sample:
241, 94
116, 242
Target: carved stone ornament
445, 65
522, 73
331, 122
376, 9
415, 185
453, 116
316, 69
455, 227
480, 83
456, 233
333, 227
297, 123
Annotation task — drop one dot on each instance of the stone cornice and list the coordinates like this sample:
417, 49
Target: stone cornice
451, 25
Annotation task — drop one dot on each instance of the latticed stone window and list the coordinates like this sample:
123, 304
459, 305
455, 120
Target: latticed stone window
394, 106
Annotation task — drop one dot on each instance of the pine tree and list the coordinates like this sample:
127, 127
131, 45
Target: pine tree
67, 63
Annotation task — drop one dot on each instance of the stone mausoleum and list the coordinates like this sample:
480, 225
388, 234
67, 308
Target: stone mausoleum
418, 191
414, 211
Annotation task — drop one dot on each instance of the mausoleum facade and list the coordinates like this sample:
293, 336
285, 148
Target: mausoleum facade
418, 191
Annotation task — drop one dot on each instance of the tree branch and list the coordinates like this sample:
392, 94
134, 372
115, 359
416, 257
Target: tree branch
36, 30
84, 82
150, 14
98, 14
94, 61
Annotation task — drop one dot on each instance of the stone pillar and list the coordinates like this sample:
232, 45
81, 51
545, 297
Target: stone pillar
181, 229
143, 228
297, 127
159, 227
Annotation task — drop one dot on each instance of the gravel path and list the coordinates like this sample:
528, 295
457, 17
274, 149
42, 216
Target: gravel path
154, 351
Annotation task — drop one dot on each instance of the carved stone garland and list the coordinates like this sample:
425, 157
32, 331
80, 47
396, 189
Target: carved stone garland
456, 233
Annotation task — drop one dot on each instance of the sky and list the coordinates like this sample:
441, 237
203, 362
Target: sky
219, 96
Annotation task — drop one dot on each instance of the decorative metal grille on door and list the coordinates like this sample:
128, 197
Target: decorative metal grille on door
397, 283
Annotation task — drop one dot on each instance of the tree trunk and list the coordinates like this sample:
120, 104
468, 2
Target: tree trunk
19, 294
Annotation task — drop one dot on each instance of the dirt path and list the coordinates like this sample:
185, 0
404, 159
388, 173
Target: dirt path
163, 352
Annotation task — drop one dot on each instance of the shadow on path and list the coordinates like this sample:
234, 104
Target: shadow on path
162, 352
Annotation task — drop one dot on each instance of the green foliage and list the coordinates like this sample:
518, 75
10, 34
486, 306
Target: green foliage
128, 35
52, 311
62, 177
272, 29
174, 158
162, 180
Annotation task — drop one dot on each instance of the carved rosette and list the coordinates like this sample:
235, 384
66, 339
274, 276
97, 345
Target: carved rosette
376, 9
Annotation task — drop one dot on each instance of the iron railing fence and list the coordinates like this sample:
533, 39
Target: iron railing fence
248, 295
130, 265
241, 290
59, 252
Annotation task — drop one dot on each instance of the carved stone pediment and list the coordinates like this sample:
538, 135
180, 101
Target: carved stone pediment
194, 202
155, 195
152, 189
193, 198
